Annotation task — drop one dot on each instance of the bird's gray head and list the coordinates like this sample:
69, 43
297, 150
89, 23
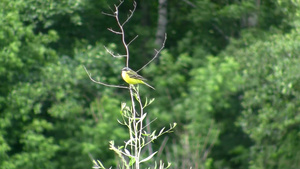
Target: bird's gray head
125, 69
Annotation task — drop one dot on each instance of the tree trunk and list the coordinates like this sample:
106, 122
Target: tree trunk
162, 22
251, 20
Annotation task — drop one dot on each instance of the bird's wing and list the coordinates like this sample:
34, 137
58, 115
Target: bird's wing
134, 75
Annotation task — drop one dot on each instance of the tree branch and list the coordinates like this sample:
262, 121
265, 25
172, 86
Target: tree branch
131, 13
190, 3
121, 25
104, 84
220, 31
112, 54
112, 15
113, 31
133, 39
156, 54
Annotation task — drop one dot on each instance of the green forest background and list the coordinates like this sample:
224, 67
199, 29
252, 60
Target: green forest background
229, 76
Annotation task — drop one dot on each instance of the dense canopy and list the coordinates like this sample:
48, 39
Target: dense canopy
228, 76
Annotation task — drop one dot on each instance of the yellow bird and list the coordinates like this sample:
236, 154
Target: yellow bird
131, 77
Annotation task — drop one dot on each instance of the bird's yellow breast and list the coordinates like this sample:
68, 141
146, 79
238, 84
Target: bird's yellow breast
130, 80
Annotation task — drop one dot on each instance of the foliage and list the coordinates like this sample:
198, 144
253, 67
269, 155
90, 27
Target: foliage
228, 77
270, 101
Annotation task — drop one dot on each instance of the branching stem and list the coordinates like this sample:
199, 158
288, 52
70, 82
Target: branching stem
98, 82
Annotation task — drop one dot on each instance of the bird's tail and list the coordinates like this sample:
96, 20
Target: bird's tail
149, 85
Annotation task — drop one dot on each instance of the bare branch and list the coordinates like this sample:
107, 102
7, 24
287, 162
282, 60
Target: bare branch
221, 32
112, 15
156, 54
148, 124
190, 3
108, 85
161, 148
113, 31
112, 54
131, 13
121, 2
122, 32
209, 149
150, 149
133, 39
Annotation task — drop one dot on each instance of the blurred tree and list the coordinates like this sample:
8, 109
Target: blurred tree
162, 22
271, 107
51, 114
49, 109
271, 114
61, 116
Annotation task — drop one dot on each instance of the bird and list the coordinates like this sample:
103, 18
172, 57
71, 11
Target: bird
131, 77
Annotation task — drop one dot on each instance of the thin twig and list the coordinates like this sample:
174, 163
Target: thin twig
121, 25
209, 149
161, 148
150, 149
221, 32
190, 3
133, 39
131, 14
122, 32
112, 15
149, 123
104, 84
121, 2
207, 137
113, 31
156, 54
112, 54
